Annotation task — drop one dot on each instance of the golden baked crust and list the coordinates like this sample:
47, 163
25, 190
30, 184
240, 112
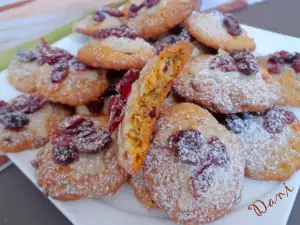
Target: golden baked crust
43, 124
140, 190
208, 29
288, 80
224, 92
22, 75
91, 176
160, 18
106, 53
144, 102
88, 26
78, 88
168, 177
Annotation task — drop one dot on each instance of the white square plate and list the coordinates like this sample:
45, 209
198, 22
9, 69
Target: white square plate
124, 209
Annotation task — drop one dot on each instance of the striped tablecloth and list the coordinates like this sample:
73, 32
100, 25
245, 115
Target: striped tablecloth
19, 31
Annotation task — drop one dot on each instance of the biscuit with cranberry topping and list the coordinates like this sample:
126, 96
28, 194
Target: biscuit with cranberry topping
195, 167
178, 34
27, 121
71, 82
67, 169
219, 31
117, 48
271, 142
101, 19
226, 84
284, 68
156, 17
140, 190
144, 102
21, 71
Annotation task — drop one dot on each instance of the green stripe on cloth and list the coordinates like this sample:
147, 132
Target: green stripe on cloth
7, 55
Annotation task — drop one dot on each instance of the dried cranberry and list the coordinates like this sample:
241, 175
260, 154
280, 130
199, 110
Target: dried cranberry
115, 12
96, 106
152, 113
5, 108
61, 140
60, 71
14, 120
242, 55
238, 122
232, 24
25, 55
166, 68
109, 92
224, 63
99, 16
125, 84
245, 62
116, 112
289, 116
2, 104
76, 125
296, 64
289, 58
191, 146
275, 58
93, 142
151, 3
64, 155
28, 103
219, 155
79, 66
274, 68
133, 10
283, 53
121, 31
51, 55
274, 121
201, 181
247, 67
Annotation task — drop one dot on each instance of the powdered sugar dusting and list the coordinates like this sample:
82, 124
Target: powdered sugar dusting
225, 92
134, 53
126, 45
90, 176
35, 134
170, 178
265, 151
141, 191
78, 87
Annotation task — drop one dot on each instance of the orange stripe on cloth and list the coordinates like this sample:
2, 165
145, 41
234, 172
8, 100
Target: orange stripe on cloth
15, 5
227, 7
